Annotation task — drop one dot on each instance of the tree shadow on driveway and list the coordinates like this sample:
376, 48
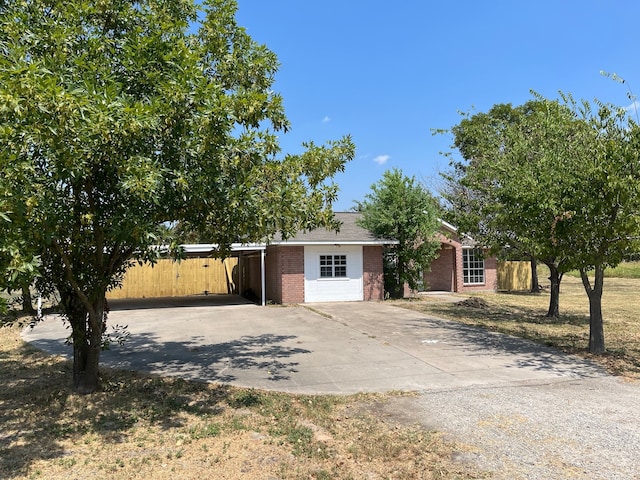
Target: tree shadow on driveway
267, 356
509, 351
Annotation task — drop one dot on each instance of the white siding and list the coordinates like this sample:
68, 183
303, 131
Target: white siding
318, 289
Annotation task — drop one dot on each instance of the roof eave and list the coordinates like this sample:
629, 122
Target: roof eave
334, 242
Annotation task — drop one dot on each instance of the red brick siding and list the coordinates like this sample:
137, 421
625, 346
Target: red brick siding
373, 277
290, 266
447, 274
441, 274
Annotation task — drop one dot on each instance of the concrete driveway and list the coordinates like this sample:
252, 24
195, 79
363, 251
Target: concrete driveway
316, 348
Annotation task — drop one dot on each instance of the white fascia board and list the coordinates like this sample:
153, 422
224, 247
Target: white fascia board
448, 225
210, 247
336, 242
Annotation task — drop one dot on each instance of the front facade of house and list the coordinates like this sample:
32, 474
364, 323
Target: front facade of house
325, 266
324, 273
316, 266
461, 266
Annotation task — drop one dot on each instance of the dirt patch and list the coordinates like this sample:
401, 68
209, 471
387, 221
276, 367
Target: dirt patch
474, 302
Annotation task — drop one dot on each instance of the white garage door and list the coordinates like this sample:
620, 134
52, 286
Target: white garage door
332, 273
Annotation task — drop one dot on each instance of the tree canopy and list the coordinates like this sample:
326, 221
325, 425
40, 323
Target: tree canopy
556, 179
399, 208
507, 189
119, 116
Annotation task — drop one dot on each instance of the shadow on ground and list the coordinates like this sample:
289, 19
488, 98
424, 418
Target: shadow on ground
267, 355
40, 412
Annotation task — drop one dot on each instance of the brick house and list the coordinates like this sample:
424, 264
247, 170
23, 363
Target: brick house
316, 266
320, 266
325, 266
461, 266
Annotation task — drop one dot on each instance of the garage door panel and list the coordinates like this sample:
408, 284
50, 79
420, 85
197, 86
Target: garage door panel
324, 270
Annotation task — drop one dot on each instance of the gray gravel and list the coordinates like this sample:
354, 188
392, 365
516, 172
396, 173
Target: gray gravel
579, 429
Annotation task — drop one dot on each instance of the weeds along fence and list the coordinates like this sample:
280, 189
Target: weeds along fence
169, 278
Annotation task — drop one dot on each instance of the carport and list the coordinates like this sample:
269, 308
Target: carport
244, 253
199, 273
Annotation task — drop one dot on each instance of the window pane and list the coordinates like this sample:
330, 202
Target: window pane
472, 266
333, 266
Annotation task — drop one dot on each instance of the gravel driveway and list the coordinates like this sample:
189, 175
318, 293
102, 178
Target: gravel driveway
585, 425
584, 429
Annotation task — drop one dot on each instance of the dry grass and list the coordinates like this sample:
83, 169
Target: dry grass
142, 426
523, 315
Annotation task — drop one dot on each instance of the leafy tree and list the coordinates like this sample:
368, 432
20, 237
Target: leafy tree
601, 224
504, 192
118, 116
556, 181
18, 261
401, 209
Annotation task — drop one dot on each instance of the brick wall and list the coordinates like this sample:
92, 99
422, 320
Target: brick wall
446, 273
373, 278
285, 274
441, 274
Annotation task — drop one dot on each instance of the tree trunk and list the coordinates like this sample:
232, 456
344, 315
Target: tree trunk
535, 285
27, 306
554, 300
596, 323
86, 332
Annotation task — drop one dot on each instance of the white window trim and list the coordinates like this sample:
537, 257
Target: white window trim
333, 278
474, 268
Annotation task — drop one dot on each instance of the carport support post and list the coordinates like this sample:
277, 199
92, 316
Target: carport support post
263, 278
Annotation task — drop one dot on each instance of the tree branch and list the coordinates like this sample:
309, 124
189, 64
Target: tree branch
68, 270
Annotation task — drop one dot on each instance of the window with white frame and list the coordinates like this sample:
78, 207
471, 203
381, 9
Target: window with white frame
472, 266
333, 266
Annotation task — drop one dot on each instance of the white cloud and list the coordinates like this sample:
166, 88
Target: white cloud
634, 107
326, 119
381, 159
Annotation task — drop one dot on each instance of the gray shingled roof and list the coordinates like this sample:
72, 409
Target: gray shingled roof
350, 232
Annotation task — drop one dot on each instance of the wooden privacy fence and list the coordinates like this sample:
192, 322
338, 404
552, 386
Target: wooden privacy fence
514, 276
168, 278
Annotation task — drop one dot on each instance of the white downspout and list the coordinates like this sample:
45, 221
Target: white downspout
263, 279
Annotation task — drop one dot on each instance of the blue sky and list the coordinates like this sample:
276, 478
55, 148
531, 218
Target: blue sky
387, 73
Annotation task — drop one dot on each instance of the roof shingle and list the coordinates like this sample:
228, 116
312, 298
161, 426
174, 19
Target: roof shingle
350, 232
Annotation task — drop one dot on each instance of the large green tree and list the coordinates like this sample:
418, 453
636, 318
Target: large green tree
503, 191
399, 208
118, 116
601, 224
557, 180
